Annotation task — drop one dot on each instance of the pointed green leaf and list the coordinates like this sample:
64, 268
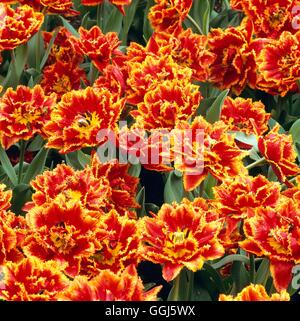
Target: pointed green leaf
135, 170
36, 167
271, 175
114, 21
21, 194
263, 272
209, 183
83, 158
229, 259
67, 25
78, 159
150, 207
30, 82
213, 113
215, 275
140, 198
247, 139
254, 153
201, 14
182, 286
16, 68
85, 21
273, 123
36, 144
297, 147
295, 131
127, 20
174, 191
48, 50
7, 167
147, 29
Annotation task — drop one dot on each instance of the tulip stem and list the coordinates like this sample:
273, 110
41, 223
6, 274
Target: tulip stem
256, 163
21, 160
195, 24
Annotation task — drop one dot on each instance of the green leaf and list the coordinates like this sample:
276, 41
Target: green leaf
85, 21
204, 288
240, 277
200, 294
36, 167
127, 20
209, 183
174, 191
48, 50
7, 167
16, 67
201, 14
135, 170
297, 147
78, 160
147, 29
21, 194
205, 104
83, 158
182, 286
246, 139
140, 198
229, 259
4, 179
273, 123
254, 153
93, 73
213, 114
21, 59
263, 272
151, 207
219, 20
215, 275
67, 25
31, 82
271, 175
295, 131
17, 168
36, 144
114, 21
149, 286
209, 91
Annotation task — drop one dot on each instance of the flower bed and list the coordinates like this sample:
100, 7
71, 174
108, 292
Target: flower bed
149, 150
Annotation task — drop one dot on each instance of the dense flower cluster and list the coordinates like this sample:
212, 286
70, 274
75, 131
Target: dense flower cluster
213, 111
